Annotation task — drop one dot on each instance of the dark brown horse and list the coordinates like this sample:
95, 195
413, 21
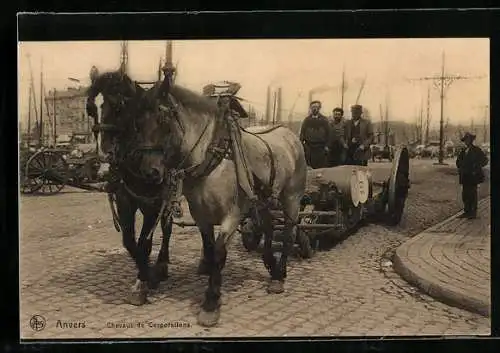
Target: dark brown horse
187, 133
131, 190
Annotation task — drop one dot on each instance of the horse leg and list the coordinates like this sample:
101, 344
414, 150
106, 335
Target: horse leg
267, 228
126, 209
210, 309
207, 237
159, 271
291, 207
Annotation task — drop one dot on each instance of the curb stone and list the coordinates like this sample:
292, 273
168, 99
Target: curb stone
435, 288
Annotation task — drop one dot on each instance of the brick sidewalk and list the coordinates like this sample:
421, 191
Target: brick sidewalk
451, 261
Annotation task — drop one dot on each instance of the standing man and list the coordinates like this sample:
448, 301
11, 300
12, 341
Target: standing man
359, 136
470, 162
315, 137
338, 145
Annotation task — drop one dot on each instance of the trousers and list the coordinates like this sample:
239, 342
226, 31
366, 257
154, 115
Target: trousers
337, 155
469, 198
316, 156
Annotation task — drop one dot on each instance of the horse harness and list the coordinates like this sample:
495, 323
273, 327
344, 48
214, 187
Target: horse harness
219, 149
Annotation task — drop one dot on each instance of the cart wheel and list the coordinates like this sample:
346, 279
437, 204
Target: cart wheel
304, 242
28, 184
47, 172
399, 183
250, 238
353, 216
302, 238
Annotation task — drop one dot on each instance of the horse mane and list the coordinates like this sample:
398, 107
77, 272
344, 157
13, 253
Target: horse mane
193, 100
107, 78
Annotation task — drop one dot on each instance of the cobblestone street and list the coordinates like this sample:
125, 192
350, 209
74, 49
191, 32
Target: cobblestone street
74, 269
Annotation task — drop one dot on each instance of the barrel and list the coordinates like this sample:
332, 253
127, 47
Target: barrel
355, 182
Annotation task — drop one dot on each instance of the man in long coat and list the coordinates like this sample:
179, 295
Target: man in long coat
470, 162
315, 137
338, 145
359, 137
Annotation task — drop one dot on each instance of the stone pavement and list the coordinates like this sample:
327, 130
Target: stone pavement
75, 274
451, 261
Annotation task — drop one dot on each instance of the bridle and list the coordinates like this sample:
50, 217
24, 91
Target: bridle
125, 147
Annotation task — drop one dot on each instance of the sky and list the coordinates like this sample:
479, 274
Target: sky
295, 65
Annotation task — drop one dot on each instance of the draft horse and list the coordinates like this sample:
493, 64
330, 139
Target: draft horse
187, 133
130, 190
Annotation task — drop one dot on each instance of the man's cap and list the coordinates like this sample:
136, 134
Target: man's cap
315, 103
356, 107
338, 110
468, 135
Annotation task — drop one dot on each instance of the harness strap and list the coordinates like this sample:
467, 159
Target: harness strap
272, 172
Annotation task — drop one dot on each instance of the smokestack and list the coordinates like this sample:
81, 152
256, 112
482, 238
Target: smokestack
278, 106
268, 105
310, 96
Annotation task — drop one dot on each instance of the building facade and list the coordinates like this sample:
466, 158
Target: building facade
68, 108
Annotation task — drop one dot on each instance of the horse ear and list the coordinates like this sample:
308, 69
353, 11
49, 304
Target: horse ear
94, 73
167, 82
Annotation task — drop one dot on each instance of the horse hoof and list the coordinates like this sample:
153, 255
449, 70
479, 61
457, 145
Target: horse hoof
203, 268
137, 298
276, 287
208, 318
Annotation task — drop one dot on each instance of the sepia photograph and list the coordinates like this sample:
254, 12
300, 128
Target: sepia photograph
254, 188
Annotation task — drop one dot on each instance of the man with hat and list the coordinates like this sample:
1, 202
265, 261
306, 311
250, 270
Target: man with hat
470, 162
359, 136
338, 145
315, 137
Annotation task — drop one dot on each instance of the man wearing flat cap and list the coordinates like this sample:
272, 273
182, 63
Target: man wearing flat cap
470, 162
359, 137
338, 145
315, 137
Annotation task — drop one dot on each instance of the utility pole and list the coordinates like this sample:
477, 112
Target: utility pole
342, 89
485, 128
29, 120
268, 105
159, 70
124, 58
421, 122
40, 138
428, 118
278, 106
386, 121
55, 121
274, 108
381, 128
443, 82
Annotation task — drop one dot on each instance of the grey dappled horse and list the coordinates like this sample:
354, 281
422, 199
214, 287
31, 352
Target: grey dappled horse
122, 99
187, 132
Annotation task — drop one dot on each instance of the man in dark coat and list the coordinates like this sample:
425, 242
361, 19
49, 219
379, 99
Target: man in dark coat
338, 145
359, 136
315, 137
470, 162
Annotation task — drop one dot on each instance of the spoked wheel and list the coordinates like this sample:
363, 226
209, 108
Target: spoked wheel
303, 240
46, 172
399, 183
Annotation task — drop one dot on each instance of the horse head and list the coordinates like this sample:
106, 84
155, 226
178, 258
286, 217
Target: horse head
173, 127
120, 95
157, 132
